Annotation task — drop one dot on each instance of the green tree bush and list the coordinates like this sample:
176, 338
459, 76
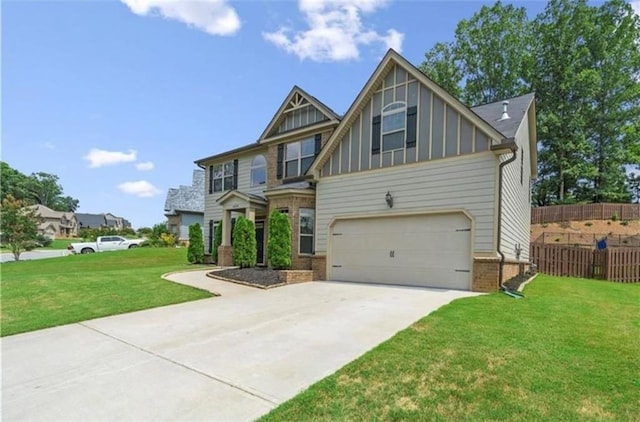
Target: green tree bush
195, 252
244, 243
18, 225
217, 241
279, 243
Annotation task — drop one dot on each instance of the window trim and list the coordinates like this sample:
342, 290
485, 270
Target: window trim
258, 167
390, 112
222, 177
300, 157
302, 211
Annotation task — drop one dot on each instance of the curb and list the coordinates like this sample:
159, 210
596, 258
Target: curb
244, 283
522, 285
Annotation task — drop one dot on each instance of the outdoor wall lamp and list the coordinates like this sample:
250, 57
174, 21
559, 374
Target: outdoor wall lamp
389, 199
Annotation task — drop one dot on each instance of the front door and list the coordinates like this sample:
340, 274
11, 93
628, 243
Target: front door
260, 242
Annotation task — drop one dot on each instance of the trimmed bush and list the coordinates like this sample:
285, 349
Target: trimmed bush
195, 252
217, 241
244, 243
279, 243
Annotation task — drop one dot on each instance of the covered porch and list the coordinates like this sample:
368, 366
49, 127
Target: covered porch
254, 207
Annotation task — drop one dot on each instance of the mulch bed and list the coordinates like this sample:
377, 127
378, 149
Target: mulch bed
515, 282
263, 277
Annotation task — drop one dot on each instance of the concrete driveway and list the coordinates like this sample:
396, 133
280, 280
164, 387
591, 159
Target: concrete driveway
230, 358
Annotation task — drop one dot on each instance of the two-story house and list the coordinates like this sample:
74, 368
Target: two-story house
409, 187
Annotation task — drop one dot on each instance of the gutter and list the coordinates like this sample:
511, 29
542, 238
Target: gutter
514, 150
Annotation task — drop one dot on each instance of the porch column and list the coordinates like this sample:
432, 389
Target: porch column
226, 228
250, 213
225, 251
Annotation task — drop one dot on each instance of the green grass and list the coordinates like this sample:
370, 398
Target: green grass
568, 351
49, 292
61, 243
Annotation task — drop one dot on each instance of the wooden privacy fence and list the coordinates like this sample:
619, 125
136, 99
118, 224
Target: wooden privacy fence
558, 213
613, 264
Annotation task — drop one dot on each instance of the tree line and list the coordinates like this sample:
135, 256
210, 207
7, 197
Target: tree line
583, 63
37, 188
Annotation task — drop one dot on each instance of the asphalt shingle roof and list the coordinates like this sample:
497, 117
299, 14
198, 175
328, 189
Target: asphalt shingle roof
517, 110
187, 198
90, 220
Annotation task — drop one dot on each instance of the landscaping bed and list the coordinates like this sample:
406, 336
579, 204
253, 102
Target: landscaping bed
259, 277
514, 283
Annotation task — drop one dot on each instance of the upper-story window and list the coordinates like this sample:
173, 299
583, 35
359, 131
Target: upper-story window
298, 157
394, 125
223, 177
258, 171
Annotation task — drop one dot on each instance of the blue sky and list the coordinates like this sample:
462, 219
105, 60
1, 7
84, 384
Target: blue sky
119, 98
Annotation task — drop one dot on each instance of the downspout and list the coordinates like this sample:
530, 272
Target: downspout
514, 150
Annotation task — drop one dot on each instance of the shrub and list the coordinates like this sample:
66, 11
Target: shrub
217, 241
614, 217
43, 241
195, 252
624, 223
168, 240
244, 243
279, 243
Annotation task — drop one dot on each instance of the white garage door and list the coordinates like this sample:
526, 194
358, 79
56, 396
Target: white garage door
421, 250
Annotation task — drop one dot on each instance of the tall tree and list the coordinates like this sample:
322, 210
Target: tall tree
491, 55
614, 108
441, 65
12, 182
563, 81
18, 225
65, 203
44, 188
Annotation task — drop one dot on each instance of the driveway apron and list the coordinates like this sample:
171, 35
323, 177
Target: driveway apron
229, 358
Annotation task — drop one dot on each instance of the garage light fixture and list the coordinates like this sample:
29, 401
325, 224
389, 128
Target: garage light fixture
389, 199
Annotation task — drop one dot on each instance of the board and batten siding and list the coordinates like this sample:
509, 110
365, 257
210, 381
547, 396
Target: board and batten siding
213, 210
462, 183
441, 131
301, 117
516, 198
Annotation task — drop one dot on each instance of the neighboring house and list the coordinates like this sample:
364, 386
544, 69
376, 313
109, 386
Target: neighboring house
91, 221
409, 187
184, 206
56, 223
96, 221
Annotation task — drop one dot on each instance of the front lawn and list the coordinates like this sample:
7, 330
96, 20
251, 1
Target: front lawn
568, 351
49, 292
61, 243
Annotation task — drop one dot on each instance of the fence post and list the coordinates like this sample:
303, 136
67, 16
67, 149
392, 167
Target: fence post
602, 208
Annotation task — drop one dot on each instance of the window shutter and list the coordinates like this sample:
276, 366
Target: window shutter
318, 146
235, 175
210, 179
375, 135
280, 160
412, 121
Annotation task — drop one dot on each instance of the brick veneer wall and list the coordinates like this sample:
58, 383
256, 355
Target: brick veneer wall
293, 203
295, 276
486, 272
319, 267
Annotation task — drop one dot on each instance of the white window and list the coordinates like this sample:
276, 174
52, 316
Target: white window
298, 157
394, 125
223, 177
258, 171
305, 240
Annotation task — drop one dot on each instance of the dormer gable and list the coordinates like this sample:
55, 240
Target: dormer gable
299, 111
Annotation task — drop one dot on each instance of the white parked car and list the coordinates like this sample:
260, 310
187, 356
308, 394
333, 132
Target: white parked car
105, 243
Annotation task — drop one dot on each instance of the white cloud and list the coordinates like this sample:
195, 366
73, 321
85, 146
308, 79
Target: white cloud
215, 17
141, 188
336, 31
48, 145
100, 158
148, 165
